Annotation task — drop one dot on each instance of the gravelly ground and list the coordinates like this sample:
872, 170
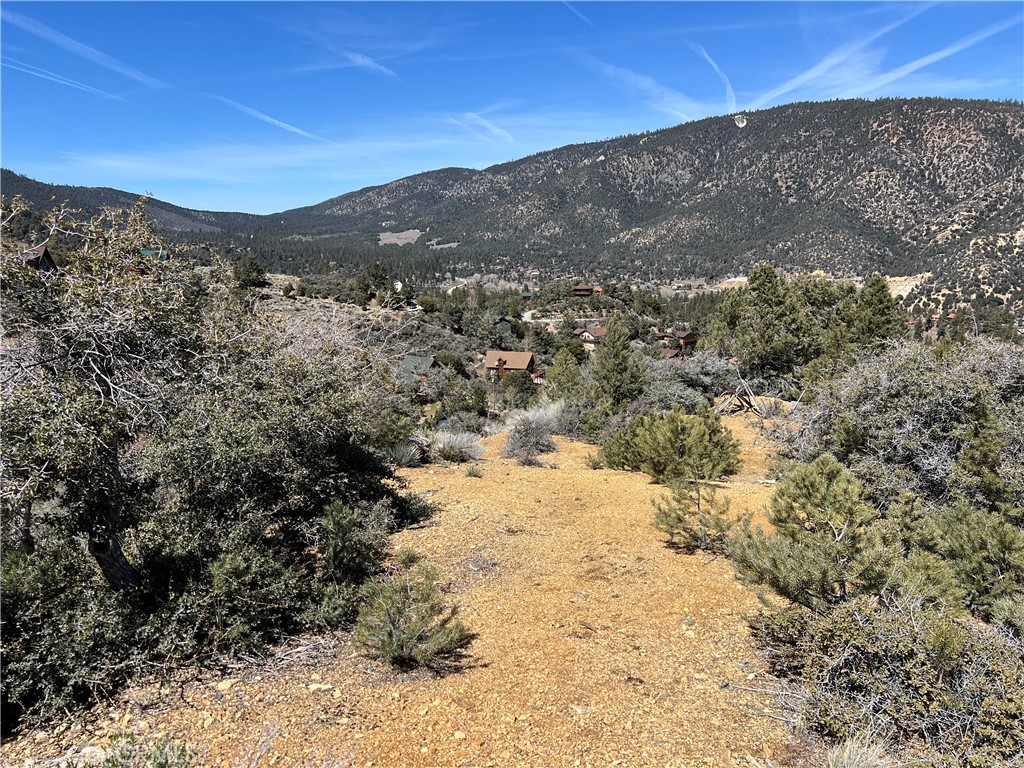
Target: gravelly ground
597, 646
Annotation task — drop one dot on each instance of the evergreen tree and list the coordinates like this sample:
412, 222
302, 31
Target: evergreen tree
694, 518
518, 389
564, 379
825, 549
617, 374
765, 326
724, 334
776, 331
566, 339
249, 273
675, 446
876, 314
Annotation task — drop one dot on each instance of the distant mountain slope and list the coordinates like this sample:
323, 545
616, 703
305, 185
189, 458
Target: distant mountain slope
90, 199
850, 187
853, 186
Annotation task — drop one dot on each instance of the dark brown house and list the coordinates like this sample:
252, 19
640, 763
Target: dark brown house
583, 291
687, 339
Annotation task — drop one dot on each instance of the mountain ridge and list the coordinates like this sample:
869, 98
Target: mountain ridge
897, 186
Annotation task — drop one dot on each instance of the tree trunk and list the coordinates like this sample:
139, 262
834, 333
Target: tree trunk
104, 543
105, 547
21, 535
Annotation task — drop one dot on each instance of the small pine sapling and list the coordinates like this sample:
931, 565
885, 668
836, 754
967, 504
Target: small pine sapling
694, 518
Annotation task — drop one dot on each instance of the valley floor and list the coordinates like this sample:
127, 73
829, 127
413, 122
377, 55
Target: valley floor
597, 646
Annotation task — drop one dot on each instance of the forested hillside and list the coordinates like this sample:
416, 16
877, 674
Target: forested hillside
849, 187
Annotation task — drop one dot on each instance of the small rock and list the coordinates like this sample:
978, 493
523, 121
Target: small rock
226, 685
92, 755
460, 735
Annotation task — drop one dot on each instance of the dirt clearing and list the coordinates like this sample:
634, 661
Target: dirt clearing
597, 645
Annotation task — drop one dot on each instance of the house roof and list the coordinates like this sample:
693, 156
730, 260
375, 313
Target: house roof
34, 252
597, 331
686, 335
667, 353
38, 257
514, 361
416, 364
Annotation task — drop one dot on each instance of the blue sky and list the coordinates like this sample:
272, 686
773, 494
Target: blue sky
266, 106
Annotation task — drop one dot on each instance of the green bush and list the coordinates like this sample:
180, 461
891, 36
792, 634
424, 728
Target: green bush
183, 476
404, 621
64, 636
948, 691
675, 446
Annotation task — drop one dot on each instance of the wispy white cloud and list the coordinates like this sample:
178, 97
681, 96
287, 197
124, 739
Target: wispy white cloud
45, 74
832, 60
479, 134
365, 62
578, 13
267, 118
275, 174
730, 96
82, 50
501, 133
658, 96
895, 75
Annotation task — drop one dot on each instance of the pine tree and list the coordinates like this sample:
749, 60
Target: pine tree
694, 518
566, 339
564, 379
876, 314
249, 273
766, 326
976, 474
617, 374
675, 447
723, 335
825, 549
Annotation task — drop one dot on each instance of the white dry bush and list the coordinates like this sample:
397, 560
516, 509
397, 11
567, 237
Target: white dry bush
455, 446
530, 432
544, 415
860, 751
